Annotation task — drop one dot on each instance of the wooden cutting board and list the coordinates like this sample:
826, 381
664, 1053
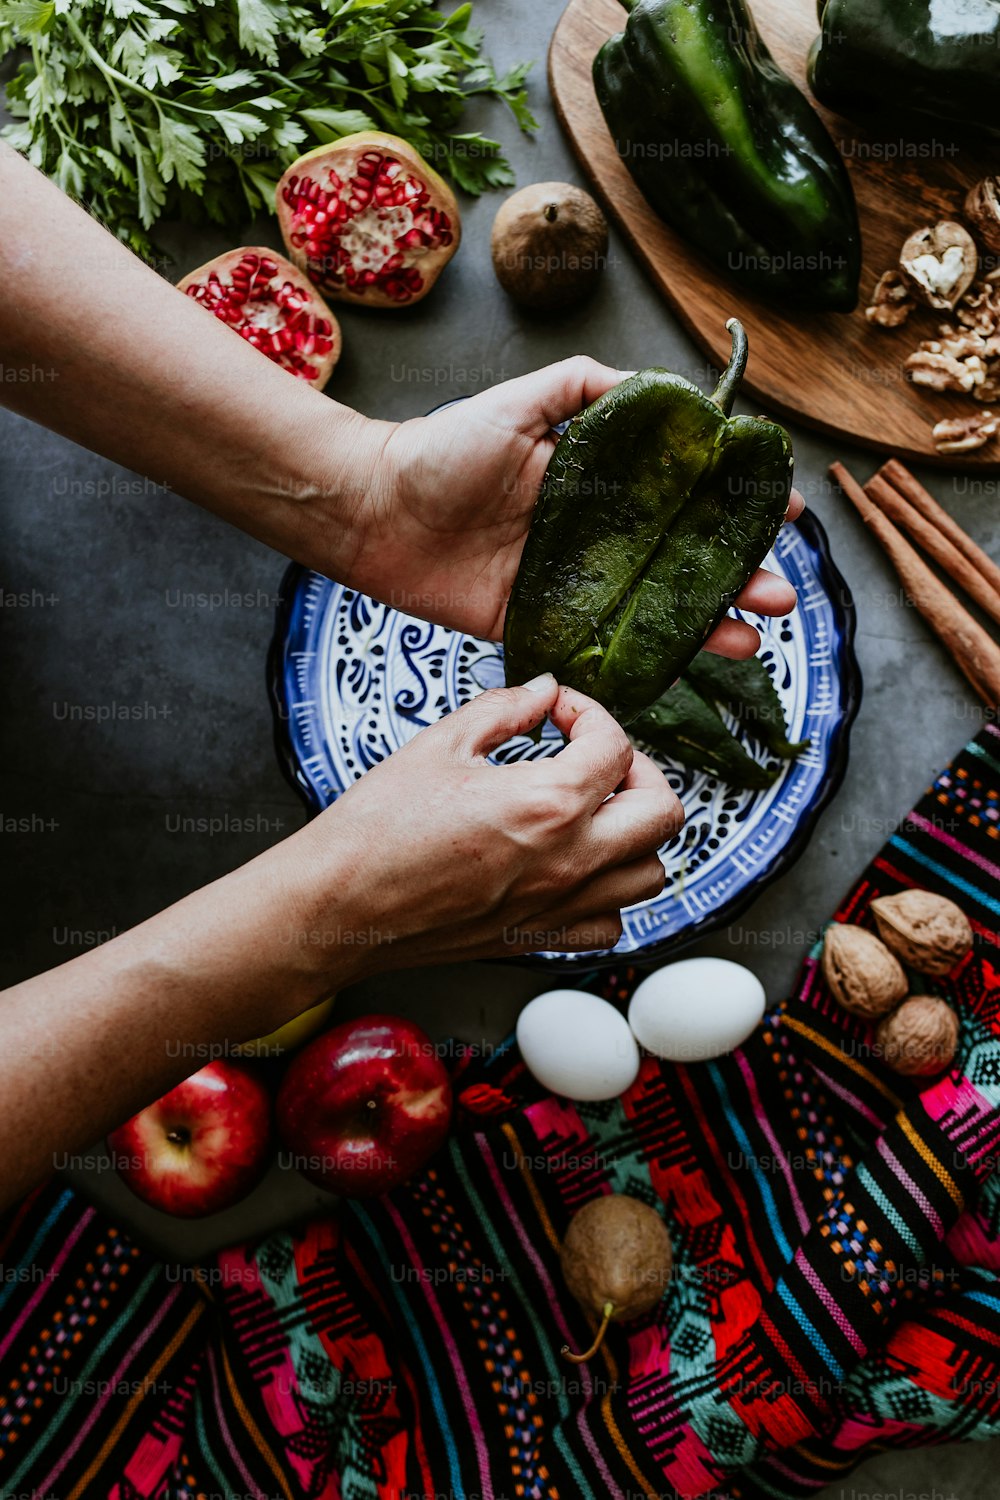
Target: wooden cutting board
833, 371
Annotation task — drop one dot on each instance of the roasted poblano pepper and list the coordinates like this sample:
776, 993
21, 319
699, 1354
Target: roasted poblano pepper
729, 152
687, 729
929, 60
746, 690
686, 726
656, 508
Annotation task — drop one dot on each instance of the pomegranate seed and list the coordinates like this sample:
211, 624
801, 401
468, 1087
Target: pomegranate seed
252, 289
320, 221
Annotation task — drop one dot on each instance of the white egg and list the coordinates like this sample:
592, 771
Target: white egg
578, 1045
696, 1009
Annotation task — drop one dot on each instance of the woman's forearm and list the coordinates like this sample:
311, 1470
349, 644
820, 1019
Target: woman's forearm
87, 1044
434, 856
117, 359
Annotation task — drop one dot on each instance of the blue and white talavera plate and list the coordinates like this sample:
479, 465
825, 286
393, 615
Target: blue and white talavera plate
352, 679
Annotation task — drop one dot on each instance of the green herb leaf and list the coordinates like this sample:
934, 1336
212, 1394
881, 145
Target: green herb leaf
159, 66
27, 17
149, 186
241, 78
182, 152
260, 21
238, 125
152, 108
459, 18
330, 124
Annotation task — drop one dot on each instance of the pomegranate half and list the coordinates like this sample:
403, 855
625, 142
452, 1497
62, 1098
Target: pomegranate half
368, 220
266, 300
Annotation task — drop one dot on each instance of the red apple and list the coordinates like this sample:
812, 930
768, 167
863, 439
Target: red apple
200, 1148
364, 1105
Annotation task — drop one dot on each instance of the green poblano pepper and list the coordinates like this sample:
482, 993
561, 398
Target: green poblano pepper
729, 152
920, 60
684, 726
746, 690
656, 508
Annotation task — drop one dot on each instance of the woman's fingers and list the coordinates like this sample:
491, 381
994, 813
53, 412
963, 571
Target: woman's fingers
600, 759
550, 933
539, 401
638, 820
735, 638
643, 773
626, 885
496, 716
599, 753
767, 594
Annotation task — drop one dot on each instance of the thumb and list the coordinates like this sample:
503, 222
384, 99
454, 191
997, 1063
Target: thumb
500, 713
538, 402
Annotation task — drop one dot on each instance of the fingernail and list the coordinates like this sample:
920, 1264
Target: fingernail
540, 684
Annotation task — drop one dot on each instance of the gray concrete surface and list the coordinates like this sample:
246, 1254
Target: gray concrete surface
103, 556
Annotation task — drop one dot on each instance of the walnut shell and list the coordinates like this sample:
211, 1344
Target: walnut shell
862, 974
919, 1039
891, 302
982, 209
929, 933
939, 263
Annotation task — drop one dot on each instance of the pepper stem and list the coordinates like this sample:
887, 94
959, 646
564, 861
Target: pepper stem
729, 382
581, 1359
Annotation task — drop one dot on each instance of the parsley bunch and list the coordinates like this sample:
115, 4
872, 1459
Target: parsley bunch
146, 109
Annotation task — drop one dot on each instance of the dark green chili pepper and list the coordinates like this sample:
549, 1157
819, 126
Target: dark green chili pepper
684, 727
656, 508
746, 689
929, 63
729, 151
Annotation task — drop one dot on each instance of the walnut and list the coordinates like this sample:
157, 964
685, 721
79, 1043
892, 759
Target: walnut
920, 1038
891, 302
862, 974
979, 309
939, 263
982, 209
928, 932
964, 434
975, 342
932, 366
958, 344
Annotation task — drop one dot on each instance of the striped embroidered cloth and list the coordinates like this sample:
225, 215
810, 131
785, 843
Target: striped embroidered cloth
837, 1238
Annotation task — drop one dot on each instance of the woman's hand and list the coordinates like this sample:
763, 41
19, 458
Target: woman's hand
429, 515
452, 497
435, 855
442, 856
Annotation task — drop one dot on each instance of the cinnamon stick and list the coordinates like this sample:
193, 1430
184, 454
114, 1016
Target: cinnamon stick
936, 544
912, 490
974, 651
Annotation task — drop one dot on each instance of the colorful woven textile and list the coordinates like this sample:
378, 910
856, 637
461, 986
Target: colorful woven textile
837, 1233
